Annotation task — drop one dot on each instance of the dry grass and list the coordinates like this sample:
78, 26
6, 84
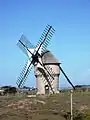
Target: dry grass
42, 107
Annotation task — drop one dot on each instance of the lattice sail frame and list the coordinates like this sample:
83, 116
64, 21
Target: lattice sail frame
41, 47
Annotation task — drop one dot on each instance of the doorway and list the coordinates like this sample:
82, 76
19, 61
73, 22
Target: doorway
46, 89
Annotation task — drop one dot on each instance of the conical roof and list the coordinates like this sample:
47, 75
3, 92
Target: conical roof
49, 58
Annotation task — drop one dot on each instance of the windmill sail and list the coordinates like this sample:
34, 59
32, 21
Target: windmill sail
28, 48
24, 73
52, 73
33, 52
44, 39
25, 45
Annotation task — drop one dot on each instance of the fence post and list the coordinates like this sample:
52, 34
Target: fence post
71, 105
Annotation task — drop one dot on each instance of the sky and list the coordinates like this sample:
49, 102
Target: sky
70, 44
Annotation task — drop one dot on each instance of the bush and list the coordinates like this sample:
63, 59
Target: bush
77, 115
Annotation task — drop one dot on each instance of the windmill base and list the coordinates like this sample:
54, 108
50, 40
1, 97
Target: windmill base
50, 92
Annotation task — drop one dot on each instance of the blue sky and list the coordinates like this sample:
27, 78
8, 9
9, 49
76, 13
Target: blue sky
70, 43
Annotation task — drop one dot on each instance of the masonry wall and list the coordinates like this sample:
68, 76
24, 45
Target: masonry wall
41, 80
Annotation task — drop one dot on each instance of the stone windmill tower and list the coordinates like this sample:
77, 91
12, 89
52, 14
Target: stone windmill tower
52, 64
46, 66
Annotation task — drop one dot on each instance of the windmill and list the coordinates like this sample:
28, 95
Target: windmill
34, 54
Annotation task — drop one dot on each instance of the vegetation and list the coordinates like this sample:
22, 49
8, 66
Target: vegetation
20, 107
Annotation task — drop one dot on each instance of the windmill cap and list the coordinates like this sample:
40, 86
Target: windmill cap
49, 58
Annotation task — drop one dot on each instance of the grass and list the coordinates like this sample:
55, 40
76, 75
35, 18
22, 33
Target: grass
51, 107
